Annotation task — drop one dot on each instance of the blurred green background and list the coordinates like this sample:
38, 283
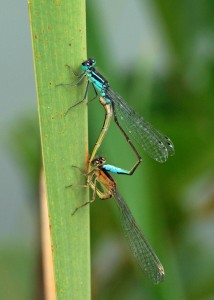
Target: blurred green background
159, 55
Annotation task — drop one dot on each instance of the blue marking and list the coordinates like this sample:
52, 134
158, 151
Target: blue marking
108, 101
114, 169
99, 85
84, 68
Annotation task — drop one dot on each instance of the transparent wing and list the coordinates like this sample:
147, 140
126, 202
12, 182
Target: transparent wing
140, 248
154, 143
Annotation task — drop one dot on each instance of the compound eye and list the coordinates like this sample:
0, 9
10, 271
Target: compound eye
103, 160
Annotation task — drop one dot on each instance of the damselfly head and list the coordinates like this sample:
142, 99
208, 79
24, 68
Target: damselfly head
86, 65
98, 161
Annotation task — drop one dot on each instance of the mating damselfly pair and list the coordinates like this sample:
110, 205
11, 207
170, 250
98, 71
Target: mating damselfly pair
157, 145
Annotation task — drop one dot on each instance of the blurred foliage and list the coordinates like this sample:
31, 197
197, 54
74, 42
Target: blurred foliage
24, 143
174, 202
17, 273
22, 264
180, 103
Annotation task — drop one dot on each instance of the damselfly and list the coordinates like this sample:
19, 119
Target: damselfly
105, 187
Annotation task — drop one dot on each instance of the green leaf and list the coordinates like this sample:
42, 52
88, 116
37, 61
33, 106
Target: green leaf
58, 31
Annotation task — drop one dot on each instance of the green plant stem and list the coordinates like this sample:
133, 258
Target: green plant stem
59, 37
